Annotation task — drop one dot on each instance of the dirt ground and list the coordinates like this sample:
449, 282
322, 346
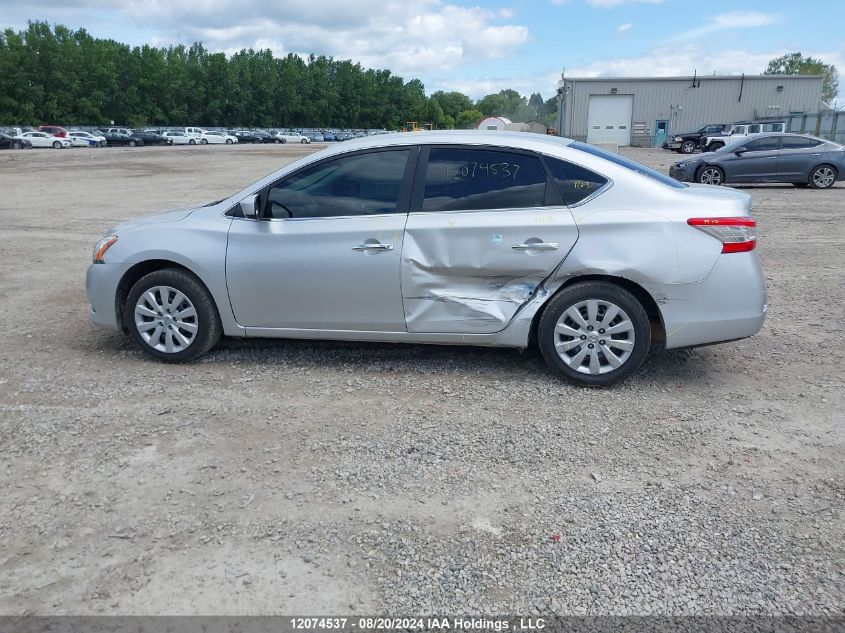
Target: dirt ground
282, 477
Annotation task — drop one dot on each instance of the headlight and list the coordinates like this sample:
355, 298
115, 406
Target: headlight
102, 246
678, 138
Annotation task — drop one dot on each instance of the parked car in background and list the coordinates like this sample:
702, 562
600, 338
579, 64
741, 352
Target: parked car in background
804, 161
123, 139
292, 137
712, 142
42, 139
316, 137
329, 136
688, 142
119, 130
152, 138
53, 130
246, 136
10, 142
81, 138
196, 132
177, 137
217, 138
492, 239
265, 136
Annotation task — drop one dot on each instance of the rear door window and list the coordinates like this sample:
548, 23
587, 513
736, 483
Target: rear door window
475, 179
574, 182
796, 142
764, 144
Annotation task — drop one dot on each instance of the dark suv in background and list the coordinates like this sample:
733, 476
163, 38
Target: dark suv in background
687, 142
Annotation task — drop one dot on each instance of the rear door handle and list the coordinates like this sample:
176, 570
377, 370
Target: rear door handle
536, 246
375, 246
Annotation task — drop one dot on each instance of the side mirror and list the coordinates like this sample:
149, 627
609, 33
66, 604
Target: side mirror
251, 206
739, 150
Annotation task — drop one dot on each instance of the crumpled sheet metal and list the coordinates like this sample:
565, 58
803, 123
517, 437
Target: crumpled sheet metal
464, 285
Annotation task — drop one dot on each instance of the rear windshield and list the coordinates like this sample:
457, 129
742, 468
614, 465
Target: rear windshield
627, 163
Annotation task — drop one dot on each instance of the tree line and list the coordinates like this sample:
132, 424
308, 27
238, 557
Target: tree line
62, 76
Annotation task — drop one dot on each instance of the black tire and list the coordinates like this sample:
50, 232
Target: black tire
16, 145
687, 147
815, 177
601, 291
192, 142
228, 141
714, 146
203, 141
57, 145
132, 143
304, 141
701, 175
207, 320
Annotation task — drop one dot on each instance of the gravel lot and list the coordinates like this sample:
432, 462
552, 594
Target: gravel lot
314, 477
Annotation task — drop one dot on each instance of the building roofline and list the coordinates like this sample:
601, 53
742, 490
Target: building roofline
697, 78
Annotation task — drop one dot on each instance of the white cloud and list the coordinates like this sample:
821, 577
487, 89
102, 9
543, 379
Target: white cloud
611, 4
729, 21
507, 14
624, 27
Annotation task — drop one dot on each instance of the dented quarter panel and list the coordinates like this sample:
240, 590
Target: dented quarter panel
460, 273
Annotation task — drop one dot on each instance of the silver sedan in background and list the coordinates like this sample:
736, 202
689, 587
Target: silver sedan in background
472, 238
804, 161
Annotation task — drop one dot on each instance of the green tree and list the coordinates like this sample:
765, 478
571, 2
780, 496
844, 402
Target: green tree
452, 103
798, 64
468, 119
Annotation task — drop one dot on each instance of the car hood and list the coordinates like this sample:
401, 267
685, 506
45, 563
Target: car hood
173, 215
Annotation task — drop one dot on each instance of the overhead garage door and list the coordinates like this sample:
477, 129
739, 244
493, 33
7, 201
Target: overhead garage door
609, 119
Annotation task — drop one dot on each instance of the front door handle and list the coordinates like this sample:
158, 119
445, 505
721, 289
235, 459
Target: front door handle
373, 246
535, 246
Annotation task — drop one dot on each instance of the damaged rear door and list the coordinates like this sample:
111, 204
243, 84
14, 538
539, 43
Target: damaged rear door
487, 225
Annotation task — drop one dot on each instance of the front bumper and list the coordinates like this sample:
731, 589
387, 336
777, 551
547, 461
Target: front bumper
684, 174
730, 303
672, 145
101, 283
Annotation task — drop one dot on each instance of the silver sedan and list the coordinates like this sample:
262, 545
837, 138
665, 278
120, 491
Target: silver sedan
476, 238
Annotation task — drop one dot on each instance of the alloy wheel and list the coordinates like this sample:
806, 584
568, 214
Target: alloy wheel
711, 176
823, 177
166, 319
594, 337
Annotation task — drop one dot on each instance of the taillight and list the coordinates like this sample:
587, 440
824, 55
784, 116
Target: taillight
737, 235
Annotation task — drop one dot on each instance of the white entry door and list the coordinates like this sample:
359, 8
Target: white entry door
609, 119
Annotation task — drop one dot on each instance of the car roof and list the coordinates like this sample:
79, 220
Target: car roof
516, 140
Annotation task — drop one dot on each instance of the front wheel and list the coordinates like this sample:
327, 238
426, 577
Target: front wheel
228, 141
304, 141
57, 145
132, 143
594, 333
687, 147
16, 145
171, 316
192, 142
711, 175
822, 177
204, 142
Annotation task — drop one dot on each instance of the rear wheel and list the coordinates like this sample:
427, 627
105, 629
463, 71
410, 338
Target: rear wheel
171, 316
714, 146
822, 177
204, 141
711, 175
192, 142
304, 141
132, 143
594, 333
687, 147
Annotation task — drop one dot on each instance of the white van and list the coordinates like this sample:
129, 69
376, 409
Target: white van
196, 132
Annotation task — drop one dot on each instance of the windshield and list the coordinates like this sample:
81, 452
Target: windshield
627, 163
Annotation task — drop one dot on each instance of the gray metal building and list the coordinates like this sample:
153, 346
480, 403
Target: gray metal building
644, 111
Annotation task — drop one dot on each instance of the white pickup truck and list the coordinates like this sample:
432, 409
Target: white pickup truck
739, 130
